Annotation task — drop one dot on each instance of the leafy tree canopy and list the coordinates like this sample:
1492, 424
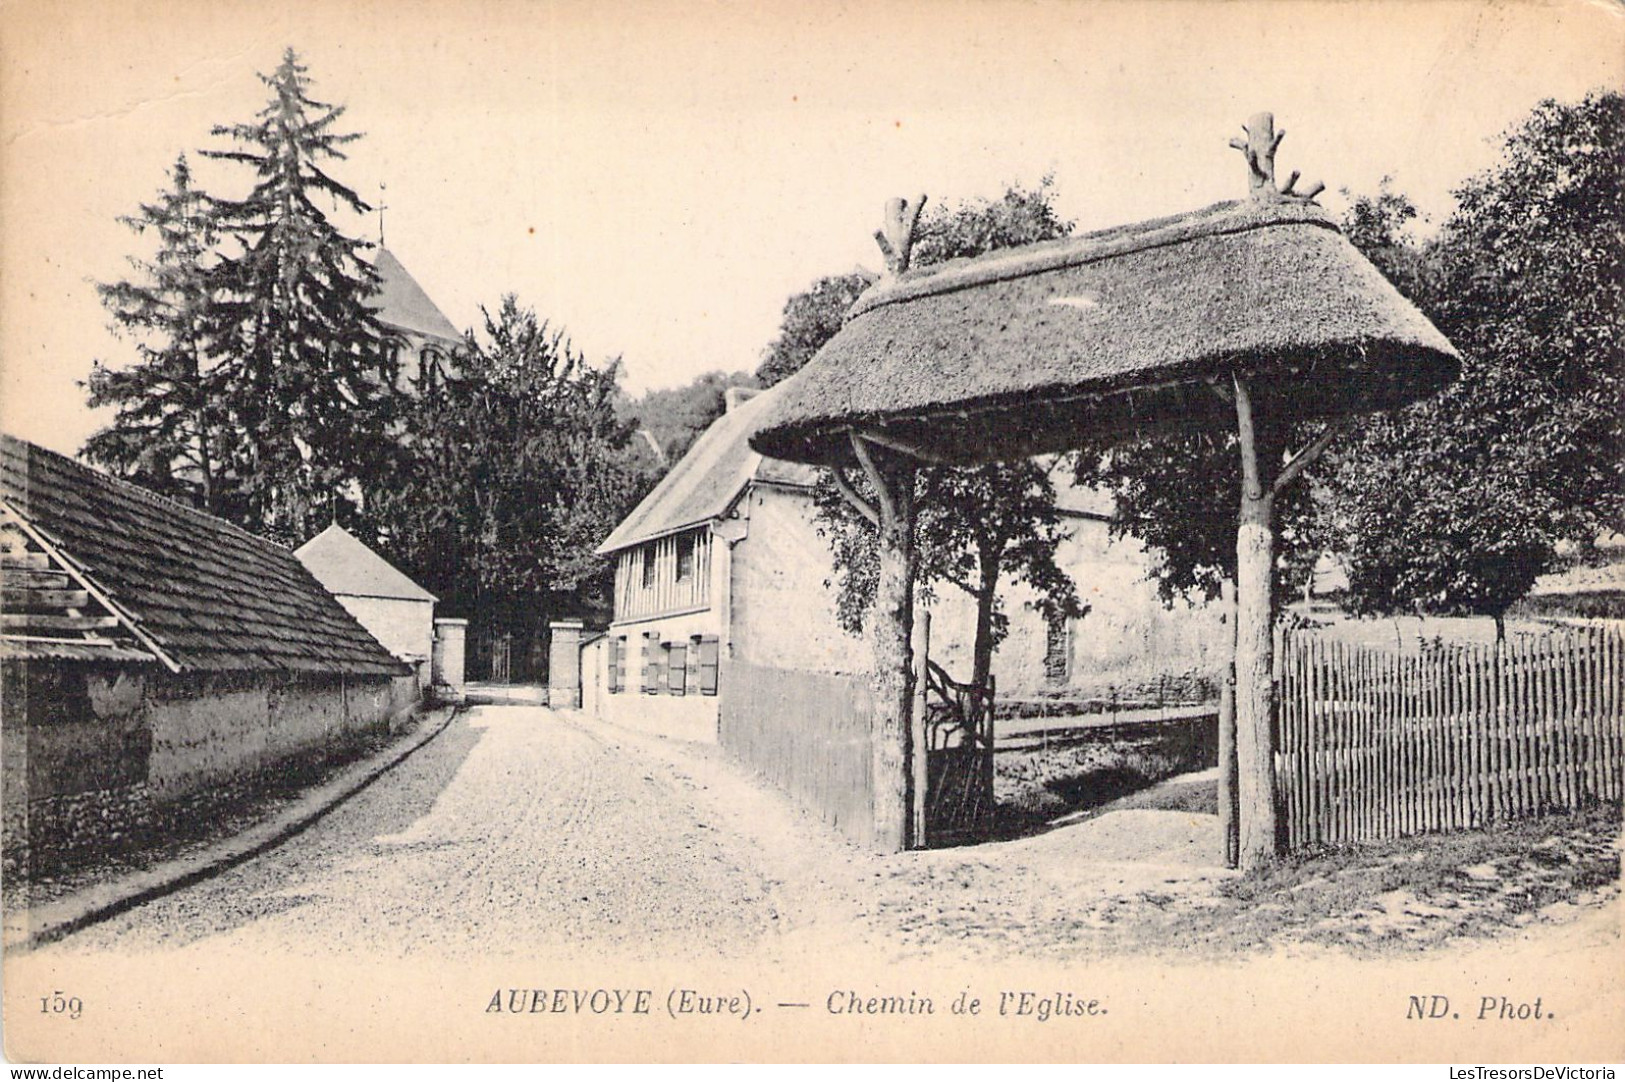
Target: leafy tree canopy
1179, 496
1457, 503
810, 319
974, 526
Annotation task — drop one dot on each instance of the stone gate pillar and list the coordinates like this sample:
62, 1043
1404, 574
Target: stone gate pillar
564, 664
446, 665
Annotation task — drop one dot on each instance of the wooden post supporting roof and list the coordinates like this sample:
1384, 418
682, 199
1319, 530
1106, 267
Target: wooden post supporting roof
1229, 823
1111, 336
891, 729
890, 469
1263, 476
1254, 658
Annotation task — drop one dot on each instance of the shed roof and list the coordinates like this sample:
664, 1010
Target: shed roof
706, 481
345, 565
210, 596
1031, 349
403, 305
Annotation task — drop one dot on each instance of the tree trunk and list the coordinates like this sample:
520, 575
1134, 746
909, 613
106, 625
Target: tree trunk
1255, 653
200, 414
1255, 688
1228, 823
890, 733
987, 594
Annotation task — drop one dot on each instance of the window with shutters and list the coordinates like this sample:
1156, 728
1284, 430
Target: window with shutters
648, 682
618, 650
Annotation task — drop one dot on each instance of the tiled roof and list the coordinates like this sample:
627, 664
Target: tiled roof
343, 564
403, 305
210, 596
707, 480
96, 653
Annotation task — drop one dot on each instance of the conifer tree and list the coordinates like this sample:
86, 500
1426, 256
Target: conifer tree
518, 465
307, 371
166, 433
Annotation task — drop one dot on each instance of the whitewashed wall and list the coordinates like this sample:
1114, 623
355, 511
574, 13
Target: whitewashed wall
403, 627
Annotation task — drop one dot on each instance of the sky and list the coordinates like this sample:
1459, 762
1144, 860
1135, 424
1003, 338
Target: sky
658, 178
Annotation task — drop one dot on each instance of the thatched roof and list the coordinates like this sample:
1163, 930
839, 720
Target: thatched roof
1113, 334
706, 481
207, 596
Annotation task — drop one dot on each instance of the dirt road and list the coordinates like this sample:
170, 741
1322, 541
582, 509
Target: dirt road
523, 832
516, 829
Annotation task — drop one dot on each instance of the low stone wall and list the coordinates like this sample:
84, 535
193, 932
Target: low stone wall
97, 756
206, 729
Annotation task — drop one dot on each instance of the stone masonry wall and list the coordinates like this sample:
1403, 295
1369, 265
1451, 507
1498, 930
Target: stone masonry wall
783, 614
92, 755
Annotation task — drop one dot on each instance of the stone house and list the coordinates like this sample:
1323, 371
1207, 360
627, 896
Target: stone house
703, 568
156, 657
395, 610
722, 565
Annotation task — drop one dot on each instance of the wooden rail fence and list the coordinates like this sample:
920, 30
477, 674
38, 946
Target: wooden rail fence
1379, 744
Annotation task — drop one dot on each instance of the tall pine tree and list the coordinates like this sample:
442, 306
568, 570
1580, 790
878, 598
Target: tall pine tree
307, 370
166, 433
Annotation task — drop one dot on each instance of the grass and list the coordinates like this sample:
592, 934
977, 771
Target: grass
1424, 890
1392, 898
1035, 786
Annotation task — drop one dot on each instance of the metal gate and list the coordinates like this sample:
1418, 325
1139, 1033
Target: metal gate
958, 731
492, 657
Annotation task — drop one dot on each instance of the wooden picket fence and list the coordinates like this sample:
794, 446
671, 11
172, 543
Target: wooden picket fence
1380, 744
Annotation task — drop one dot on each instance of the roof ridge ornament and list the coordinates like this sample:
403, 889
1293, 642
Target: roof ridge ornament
896, 238
1259, 147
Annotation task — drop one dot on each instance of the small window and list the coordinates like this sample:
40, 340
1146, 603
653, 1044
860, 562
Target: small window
428, 369
1058, 651
685, 557
648, 567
